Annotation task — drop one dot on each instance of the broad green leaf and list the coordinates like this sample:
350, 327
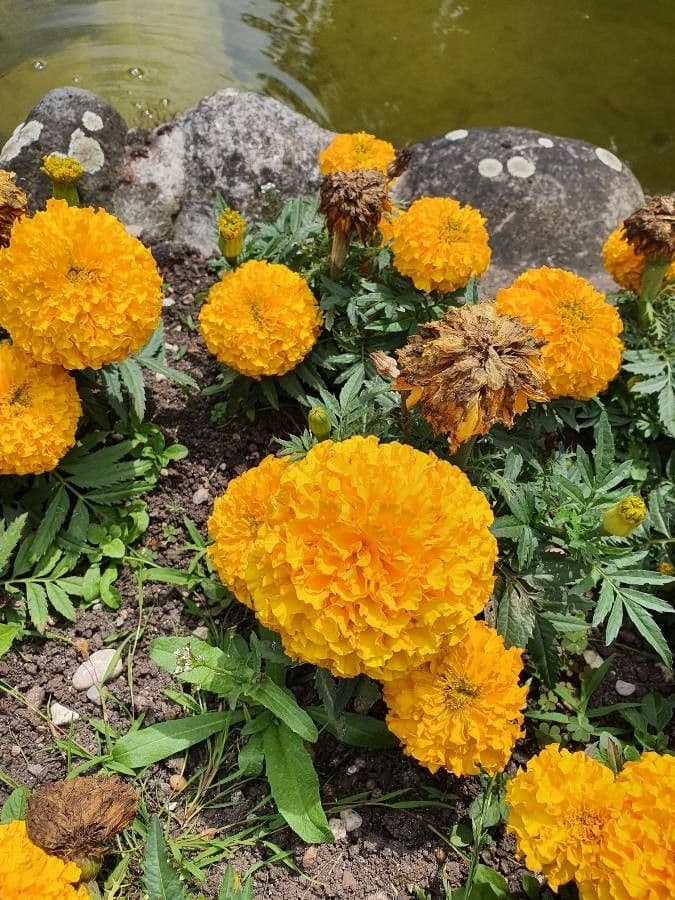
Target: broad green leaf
515, 617
8, 634
36, 602
252, 756
283, 705
14, 806
356, 730
295, 784
132, 376
543, 648
208, 667
10, 538
160, 881
52, 522
146, 746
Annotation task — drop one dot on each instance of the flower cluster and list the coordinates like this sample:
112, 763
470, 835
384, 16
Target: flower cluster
347, 152
582, 350
27, 872
575, 821
626, 264
261, 319
61, 169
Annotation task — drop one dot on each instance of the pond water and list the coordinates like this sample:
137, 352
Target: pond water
406, 69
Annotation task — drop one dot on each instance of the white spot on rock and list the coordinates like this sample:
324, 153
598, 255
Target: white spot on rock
97, 670
61, 715
87, 151
545, 142
92, 121
608, 158
490, 168
520, 167
23, 135
457, 135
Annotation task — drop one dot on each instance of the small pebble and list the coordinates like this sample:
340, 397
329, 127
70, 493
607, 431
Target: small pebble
177, 783
15, 750
61, 715
592, 658
35, 696
93, 670
201, 632
35, 769
201, 495
160, 377
349, 883
351, 820
309, 857
168, 301
142, 702
337, 826
624, 688
94, 694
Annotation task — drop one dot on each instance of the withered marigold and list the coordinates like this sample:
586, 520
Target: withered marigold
236, 519
13, 205
76, 289
462, 710
347, 152
651, 229
353, 202
624, 263
582, 350
440, 244
261, 319
371, 556
39, 412
28, 873
559, 810
471, 370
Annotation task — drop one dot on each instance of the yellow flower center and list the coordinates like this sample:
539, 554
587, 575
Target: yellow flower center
573, 311
632, 510
78, 275
452, 231
587, 823
458, 691
19, 395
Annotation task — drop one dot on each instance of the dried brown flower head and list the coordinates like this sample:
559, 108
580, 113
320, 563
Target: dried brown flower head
400, 163
78, 819
354, 201
385, 365
13, 205
470, 370
651, 229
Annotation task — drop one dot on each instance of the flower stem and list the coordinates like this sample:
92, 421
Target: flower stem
338, 251
67, 192
652, 279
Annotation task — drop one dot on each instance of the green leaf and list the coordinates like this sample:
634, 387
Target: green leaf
36, 601
487, 885
146, 746
543, 649
209, 668
52, 522
252, 756
294, 784
667, 409
515, 616
14, 806
603, 454
179, 378
9, 538
8, 634
356, 730
60, 601
132, 376
284, 706
650, 631
160, 881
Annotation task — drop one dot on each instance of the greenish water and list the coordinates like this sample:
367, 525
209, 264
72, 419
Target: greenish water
406, 69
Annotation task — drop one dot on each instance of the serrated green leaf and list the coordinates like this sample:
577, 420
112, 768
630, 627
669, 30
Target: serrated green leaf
160, 881
515, 617
52, 521
132, 377
36, 603
15, 806
356, 730
174, 375
667, 409
543, 649
603, 454
649, 630
60, 601
10, 537
8, 634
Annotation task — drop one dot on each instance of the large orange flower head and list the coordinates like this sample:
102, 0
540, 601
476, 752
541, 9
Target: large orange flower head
28, 873
76, 289
559, 811
462, 710
261, 319
582, 351
39, 412
236, 520
371, 556
624, 263
440, 244
347, 152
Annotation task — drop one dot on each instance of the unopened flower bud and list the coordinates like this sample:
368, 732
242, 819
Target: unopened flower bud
319, 422
64, 174
625, 516
666, 568
231, 230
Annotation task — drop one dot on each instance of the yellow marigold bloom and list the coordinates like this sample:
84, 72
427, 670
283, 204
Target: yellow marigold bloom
624, 263
440, 244
76, 289
559, 810
372, 555
62, 169
261, 319
39, 412
625, 516
462, 710
28, 873
582, 353
347, 152
231, 230
665, 568
236, 520
387, 224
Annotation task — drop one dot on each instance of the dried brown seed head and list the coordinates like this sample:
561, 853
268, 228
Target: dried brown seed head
13, 205
354, 201
651, 230
385, 365
400, 163
471, 370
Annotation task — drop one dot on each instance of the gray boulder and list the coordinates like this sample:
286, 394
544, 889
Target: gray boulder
251, 149
547, 200
76, 123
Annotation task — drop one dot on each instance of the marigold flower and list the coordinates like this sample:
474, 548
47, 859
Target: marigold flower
39, 412
651, 229
61, 169
665, 568
13, 205
352, 202
624, 517
261, 319
624, 263
440, 244
231, 230
236, 519
462, 710
582, 353
559, 810
371, 556
387, 224
347, 152
471, 370
76, 289
28, 873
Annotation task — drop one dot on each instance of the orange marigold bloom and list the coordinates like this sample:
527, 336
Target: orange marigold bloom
462, 710
76, 289
261, 319
440, 244
28, 873
39, 412
371, 556
347, 152
236, 520
387, 224
624, 263
558, 811
582, 353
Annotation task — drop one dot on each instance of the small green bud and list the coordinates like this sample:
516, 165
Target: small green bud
319, 422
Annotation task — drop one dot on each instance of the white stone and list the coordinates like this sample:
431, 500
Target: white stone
92, 121
23, 135
94, 694
93, 670
457, 135
545, 142
351, 820
168, 301
490, 168
592, 659
201, 632
201, 495
520, 167
87, 151
608, 158
624, 688
61, 715
337, 827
